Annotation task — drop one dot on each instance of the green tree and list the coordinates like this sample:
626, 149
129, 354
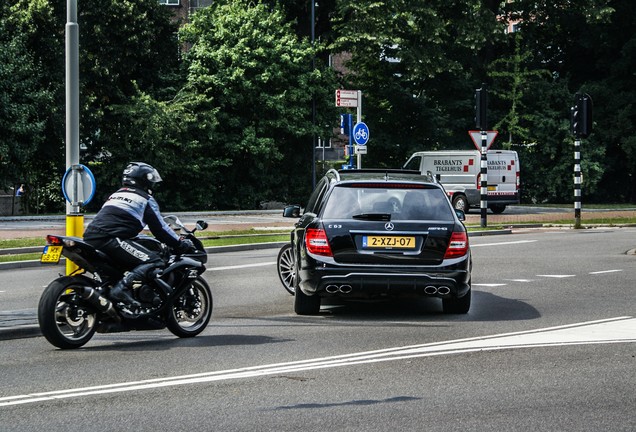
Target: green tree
417, 64
248, 67
22, 109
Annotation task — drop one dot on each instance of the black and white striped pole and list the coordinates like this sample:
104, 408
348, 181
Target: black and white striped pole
577, 183
481, 121
581, 125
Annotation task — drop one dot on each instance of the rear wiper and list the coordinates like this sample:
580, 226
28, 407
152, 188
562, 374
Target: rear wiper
373, 216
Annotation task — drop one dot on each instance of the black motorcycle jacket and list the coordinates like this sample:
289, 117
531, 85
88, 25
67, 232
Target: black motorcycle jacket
125, 214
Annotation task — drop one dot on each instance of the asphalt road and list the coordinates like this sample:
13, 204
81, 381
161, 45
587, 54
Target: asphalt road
549, 344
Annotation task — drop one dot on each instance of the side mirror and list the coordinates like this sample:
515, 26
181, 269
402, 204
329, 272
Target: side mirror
292, 211
460, 215
201, 225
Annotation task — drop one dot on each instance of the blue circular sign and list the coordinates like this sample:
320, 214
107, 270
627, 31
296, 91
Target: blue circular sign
78, 185
361, 133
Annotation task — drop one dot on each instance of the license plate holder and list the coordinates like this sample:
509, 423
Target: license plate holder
51, 254
388, 242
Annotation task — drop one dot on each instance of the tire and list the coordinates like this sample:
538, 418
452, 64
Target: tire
460, 203
65, 320
454, 305
304, 304
191, 312
497, 208
286, 268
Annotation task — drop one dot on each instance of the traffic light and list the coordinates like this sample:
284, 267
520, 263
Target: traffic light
481, 108
581, 116
344, 124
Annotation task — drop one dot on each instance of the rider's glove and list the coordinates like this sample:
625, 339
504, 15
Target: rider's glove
185, 246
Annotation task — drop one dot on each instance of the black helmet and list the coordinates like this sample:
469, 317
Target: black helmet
141, 175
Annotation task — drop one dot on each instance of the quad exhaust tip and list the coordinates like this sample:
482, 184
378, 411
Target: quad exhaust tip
432, 290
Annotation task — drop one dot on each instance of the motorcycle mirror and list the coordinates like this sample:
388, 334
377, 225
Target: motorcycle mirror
201, 225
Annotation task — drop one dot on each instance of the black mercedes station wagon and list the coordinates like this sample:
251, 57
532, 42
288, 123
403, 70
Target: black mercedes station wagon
379, 234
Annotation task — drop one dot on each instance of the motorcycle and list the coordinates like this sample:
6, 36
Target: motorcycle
73, 308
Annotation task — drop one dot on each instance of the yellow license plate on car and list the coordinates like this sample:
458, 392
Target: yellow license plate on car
492, 188
388, 242
51, 254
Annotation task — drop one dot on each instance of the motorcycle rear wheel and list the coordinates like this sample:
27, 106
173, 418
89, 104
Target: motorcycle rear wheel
192, 311
65, 320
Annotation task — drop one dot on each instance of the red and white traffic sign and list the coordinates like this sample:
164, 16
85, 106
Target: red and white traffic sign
347, 98
476, 137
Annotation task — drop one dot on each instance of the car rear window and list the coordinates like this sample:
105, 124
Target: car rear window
400, 201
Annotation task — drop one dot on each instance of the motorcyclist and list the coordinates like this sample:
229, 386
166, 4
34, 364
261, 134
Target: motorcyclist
122, 217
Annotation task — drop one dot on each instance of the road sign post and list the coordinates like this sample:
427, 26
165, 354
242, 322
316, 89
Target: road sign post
350, 99
481, 121
360, 135
581, 127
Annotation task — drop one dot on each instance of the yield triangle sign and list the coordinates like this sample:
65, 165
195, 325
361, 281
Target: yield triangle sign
476, 137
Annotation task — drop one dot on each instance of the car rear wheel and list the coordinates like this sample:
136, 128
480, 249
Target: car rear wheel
454, 305
304, 304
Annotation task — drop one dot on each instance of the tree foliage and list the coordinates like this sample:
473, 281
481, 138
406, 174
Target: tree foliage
257, 77
224, 108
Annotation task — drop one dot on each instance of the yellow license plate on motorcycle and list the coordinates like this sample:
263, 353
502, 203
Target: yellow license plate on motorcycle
51, 254
388, 242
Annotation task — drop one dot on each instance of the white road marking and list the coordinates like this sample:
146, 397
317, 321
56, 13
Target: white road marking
608, 331
241, 266
521, 280
557, 276
490, 285
605, 271
503, 243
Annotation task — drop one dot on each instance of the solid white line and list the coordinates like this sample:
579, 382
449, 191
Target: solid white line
503, 243
489, 284
605, 271
241, 266
557, 276
607, 331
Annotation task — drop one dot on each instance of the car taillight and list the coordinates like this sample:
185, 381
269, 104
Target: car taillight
458, 245
317, 243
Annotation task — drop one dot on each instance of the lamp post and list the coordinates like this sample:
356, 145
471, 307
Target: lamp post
74, 217
313, 97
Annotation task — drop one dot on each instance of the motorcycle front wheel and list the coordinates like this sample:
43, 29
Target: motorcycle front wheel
192, 311
65, 320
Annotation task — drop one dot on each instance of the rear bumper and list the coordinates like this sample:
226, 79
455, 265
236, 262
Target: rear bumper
370, 282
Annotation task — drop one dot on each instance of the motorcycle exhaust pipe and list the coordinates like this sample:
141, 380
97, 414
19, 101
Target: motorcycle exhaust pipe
100, 303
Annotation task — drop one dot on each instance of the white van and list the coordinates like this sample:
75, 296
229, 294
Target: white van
459, 172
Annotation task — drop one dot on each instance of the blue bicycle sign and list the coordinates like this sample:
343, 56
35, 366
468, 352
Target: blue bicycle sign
361, 133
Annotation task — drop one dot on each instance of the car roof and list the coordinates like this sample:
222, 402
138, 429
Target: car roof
378, 174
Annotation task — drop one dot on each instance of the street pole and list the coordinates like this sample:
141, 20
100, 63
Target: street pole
481, 121
74, 217
577, 183
313, 97
484, 179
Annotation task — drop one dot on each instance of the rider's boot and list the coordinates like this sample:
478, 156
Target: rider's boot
121, 290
